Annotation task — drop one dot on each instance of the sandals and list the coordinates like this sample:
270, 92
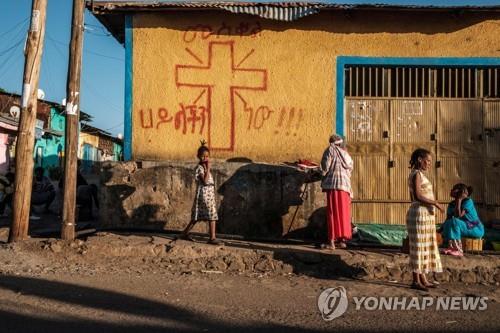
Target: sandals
214, 241
456, 253
185, 237
420, 287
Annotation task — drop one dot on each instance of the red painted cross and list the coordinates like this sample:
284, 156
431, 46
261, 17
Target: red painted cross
222, 79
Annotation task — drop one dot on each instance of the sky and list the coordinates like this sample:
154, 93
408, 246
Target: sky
102, 83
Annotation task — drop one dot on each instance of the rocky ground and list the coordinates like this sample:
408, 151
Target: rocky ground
111, 282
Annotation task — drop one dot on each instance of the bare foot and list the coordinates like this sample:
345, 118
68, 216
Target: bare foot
327, 246
342, 245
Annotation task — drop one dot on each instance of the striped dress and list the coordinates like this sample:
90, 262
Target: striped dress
421, 225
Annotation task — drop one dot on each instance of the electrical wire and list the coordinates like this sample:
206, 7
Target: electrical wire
48, 70
14, 27
11, 59
89, 52
3, 52
86, 85
11, 62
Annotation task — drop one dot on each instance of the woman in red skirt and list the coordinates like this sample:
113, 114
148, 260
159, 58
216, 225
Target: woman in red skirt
336, 166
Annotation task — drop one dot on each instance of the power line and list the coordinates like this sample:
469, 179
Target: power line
3, 52
97, 94
14, 27
103, 55
48, 69
110, 128
12, 60
101, 97
14, 49
90, 52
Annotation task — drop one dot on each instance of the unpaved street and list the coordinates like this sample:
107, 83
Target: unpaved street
45, 288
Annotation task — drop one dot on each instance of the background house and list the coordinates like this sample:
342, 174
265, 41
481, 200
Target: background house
50, 135
95, 146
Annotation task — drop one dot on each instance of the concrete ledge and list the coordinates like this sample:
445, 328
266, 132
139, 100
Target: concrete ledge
254, 199
106, 250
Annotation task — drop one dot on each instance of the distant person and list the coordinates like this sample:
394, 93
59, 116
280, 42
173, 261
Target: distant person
204, 207
86, 194
421, 222
462, 220
336, 167
43, 192
6, 191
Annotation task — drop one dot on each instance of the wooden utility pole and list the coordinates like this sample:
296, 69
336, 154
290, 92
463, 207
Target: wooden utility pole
72, 120
26, 133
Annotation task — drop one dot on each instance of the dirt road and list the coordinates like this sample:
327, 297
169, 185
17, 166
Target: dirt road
44, 288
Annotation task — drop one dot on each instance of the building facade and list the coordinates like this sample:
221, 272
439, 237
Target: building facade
50, 137
271, 82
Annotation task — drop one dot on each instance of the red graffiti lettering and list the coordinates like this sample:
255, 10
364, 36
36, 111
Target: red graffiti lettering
163, 117
288, 121
191, 32
242, 29
224, 30
255, 32
261, 115
150, 125
180, 120
258, 117
204, 31
189, 118
192, 116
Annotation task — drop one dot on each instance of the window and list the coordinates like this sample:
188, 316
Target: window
422, 82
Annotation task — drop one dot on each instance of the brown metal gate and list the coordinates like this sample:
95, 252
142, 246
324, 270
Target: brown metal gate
462, 134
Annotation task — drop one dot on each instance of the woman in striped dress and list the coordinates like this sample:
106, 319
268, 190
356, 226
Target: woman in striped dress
421, 222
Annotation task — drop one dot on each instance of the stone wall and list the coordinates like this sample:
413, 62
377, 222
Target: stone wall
254, 200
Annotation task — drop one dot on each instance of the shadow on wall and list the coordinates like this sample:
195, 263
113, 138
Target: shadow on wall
344, 22
254, 200
316, 229
114, 198
256, 197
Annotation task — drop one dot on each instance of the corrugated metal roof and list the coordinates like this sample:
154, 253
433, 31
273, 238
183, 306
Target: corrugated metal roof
282, 11
275, 12
110, 12
208, 3
258, 7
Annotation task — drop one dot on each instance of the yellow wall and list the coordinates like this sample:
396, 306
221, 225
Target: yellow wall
87, 138
285, 106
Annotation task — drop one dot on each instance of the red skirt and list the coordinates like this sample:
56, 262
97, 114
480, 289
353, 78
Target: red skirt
338, 215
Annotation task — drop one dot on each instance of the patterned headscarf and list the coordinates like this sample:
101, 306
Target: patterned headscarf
336, 139
338, 143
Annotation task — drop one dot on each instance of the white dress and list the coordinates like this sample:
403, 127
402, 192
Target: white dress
204, 207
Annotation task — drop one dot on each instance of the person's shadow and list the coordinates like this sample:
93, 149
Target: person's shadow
257, 196
163, 315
